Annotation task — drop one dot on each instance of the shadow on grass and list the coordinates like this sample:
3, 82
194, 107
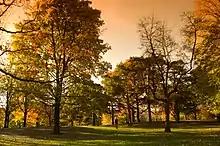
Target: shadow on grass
180, 125
84, 134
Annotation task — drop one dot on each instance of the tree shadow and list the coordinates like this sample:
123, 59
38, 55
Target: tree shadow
90, 134
180, 125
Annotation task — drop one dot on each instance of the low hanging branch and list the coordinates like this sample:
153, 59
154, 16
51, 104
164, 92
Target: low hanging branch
24, 79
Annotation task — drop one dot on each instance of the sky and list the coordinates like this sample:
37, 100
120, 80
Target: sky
121, 22
121, 19
122, 16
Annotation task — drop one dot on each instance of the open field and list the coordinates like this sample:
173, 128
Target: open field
183, 134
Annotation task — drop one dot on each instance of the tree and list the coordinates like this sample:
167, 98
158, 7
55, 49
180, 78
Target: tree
86, 97
147, 82
7, 89
66, 45
127, 80
208, 13
113, 87
205, 91
156, 42
26, 98
207, 52
119, 84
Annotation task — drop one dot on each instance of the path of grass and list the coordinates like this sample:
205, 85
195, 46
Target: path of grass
204, 135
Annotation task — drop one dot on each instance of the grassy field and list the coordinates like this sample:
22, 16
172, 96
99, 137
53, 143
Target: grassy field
145, 134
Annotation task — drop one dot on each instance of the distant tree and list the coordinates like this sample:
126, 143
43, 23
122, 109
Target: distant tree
144, 68
26, 99
8, 92
113, 88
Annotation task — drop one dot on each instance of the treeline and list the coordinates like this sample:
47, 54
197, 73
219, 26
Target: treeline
27, 103
57, 50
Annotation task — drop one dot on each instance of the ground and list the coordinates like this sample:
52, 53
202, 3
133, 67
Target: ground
183, 134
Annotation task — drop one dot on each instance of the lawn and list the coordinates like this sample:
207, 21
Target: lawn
145, 134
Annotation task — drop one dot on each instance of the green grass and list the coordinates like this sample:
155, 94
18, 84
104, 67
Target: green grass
144, 134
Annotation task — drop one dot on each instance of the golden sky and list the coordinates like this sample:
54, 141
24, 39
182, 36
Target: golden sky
121, 18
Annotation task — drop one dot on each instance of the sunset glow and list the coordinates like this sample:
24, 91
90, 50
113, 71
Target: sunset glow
121, 18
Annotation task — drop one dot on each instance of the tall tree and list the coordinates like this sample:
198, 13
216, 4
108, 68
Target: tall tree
66, 45
157, 42
207, 53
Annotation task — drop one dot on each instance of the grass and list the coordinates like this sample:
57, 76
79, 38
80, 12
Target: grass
183, 134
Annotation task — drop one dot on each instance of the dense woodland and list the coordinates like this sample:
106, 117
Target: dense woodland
47, 68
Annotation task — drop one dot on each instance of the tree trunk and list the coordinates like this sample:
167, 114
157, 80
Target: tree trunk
7, 118
25, 111
218, 117
186, 116
72, 118
71, 122
129, 111
127, 121
167, 115
7, 112
56, 128
112, 114
195, 115
58, 95
25, 118
177, 111
149, 110
138, 110
48, 111
133, 114
93, 119
50, 120
100, 118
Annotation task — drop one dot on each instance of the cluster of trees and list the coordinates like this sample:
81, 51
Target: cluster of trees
56, 50
179, 77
